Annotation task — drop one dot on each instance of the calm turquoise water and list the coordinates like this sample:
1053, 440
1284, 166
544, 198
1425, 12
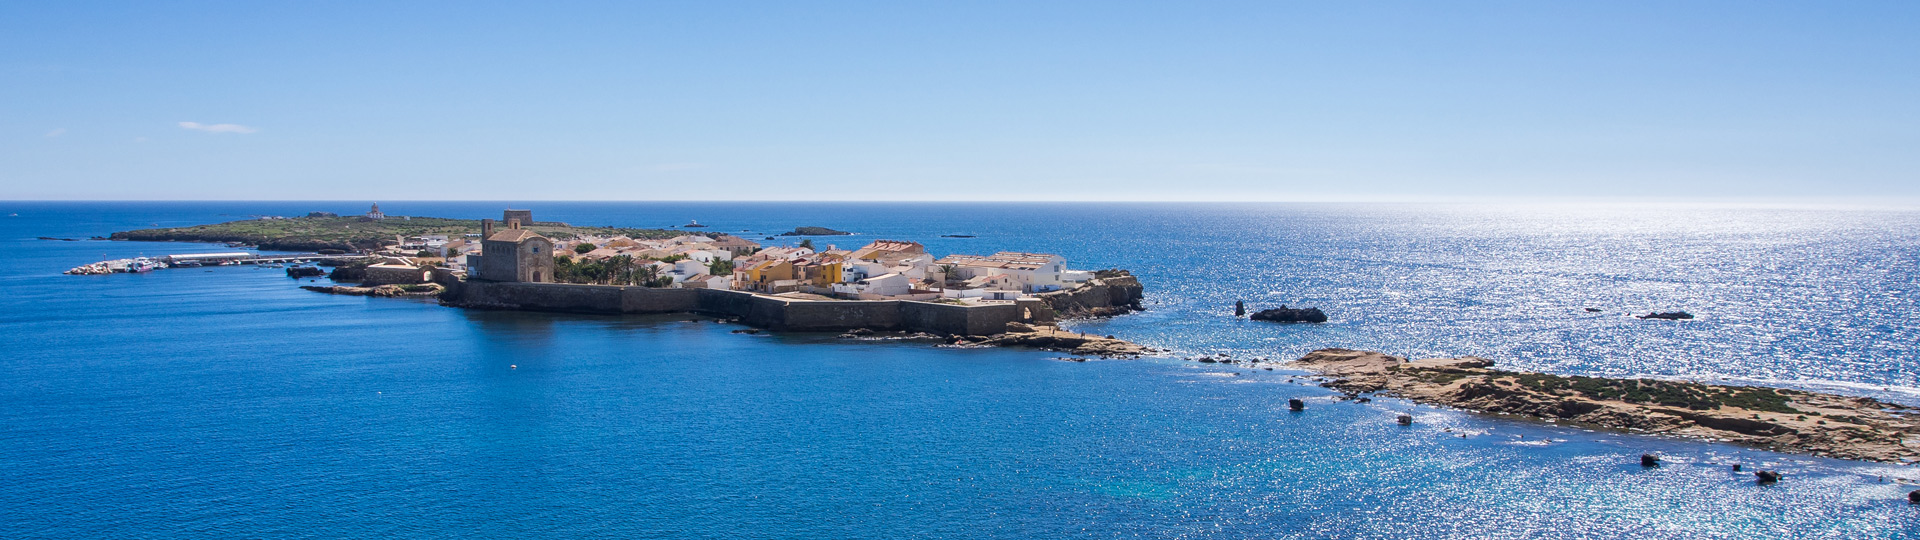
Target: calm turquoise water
225, 402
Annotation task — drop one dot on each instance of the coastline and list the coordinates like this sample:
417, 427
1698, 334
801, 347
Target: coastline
1781, 420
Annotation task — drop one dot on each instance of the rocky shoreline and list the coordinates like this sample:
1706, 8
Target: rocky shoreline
422, 290
1053, 338
1776, 419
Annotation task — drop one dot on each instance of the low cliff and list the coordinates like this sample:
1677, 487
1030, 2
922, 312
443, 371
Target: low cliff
1778, 419
1110, 292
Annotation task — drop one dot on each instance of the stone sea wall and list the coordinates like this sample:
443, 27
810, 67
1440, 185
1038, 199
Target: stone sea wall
756, 310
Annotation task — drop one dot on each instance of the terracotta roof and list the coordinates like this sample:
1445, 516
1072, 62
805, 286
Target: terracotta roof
512, 235
888, 246
1005, 259
733, 241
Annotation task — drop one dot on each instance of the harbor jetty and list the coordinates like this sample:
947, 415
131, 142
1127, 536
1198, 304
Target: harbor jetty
1776, 419
195, 260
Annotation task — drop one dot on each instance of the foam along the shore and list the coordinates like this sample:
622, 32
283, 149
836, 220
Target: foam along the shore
1777, 419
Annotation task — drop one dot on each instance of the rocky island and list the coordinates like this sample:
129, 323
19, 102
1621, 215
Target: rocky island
1775, 419
322, 231
814, 231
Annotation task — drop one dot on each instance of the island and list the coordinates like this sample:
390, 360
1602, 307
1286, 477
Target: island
320, 231
814, 231
1776, 419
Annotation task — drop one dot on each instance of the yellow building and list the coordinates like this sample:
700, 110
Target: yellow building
769, 271
822, 273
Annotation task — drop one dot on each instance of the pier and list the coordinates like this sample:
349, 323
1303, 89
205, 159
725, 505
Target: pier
196, 260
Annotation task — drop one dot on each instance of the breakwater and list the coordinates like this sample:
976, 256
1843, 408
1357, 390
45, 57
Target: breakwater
1115, 294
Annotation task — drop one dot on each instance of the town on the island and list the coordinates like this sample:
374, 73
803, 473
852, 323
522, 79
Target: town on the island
510, 251
884, 285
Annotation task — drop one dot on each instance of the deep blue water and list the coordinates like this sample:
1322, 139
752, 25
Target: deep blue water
225, 402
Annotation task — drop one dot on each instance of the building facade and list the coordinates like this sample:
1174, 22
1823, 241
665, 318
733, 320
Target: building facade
512, 254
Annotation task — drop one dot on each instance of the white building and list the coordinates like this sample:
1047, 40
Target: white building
881, 285
1035, 272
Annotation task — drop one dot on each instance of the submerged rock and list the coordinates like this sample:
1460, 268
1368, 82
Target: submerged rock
1290, 315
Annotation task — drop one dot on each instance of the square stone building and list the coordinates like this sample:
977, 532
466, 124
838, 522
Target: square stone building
512, 254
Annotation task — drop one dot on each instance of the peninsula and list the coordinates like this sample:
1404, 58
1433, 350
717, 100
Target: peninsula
325, 231
1776, 419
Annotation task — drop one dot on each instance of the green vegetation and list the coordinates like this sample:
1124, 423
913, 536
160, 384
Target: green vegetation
351, 233
720, 267
582, 248
1437, 376
1665, 393
620, 270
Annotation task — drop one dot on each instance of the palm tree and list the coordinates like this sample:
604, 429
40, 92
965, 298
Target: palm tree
647, 275
625, 264
946, 273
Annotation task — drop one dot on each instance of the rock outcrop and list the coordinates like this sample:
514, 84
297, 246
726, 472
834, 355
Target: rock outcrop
1290, 315
1109, 293
1778, 419
428, 289
1054, 339
1668, 315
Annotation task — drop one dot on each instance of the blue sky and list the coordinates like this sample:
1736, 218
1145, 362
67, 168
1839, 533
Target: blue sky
960, 101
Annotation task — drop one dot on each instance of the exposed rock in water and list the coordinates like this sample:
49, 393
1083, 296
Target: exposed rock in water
1913, 497
1766, 477
1055, 339
1294, 404
1667, 315
298, 272
1649, 460
1290, 315
1404, 419
814, 231
427, 289
1778, 419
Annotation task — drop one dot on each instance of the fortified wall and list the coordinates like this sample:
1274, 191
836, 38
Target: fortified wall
756, 310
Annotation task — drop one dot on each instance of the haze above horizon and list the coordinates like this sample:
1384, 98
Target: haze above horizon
1085, 101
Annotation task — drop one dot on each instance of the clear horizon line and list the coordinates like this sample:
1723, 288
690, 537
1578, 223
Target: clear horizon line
1836, 201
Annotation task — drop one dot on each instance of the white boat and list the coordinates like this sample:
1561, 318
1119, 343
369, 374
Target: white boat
141, 265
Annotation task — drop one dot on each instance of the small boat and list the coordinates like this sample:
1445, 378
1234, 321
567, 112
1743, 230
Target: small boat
693, 223
187, 264
141, 265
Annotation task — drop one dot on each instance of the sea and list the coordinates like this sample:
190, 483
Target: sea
226, 402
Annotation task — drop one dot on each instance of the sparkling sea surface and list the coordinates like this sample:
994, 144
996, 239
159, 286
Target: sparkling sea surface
227, 403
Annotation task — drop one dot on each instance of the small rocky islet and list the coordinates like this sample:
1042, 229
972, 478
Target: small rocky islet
1783, 420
